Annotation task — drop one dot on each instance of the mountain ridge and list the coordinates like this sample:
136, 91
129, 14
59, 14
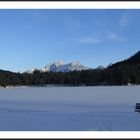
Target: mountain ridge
60, 66
126, 72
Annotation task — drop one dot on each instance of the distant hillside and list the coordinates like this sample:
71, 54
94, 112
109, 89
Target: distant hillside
124, 72
9, 78
135, 59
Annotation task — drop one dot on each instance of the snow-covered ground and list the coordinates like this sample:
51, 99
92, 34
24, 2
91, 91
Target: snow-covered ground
105, 108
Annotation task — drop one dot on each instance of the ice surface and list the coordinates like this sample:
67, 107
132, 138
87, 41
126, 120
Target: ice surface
103, 108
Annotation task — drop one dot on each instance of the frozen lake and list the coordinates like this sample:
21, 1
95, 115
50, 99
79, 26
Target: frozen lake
105, 108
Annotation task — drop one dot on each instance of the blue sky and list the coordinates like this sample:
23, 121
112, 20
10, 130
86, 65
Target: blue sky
34, 38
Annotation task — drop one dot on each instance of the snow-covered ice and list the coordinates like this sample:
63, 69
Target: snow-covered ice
101, 108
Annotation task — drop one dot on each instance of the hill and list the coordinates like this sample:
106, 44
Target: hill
124, 72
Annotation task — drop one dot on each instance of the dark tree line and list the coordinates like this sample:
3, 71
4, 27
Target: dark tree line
121, 73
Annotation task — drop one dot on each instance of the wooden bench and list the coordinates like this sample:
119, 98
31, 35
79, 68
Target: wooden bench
137, 107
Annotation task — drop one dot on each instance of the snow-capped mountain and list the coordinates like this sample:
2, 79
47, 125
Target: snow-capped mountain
59, 66
53, 66
71, 67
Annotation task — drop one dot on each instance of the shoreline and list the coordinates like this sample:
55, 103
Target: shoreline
49, 86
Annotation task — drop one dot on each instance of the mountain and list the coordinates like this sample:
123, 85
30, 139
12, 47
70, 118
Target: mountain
124, 72
100, 67
53, 66
133, 60
109, 65
59, 66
